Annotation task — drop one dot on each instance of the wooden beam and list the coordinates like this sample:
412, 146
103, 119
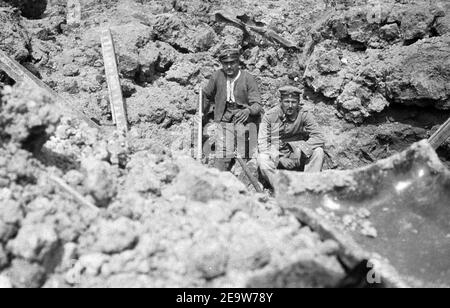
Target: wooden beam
21, 75
118, 107
200, 126
441, 135
249, 175
72, 192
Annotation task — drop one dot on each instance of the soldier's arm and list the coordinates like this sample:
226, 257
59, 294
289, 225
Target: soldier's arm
263, 136
316, 138
254, 96
209, 93
269, 137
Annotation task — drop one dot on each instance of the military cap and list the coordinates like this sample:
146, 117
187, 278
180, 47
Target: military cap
290, 91
229, 54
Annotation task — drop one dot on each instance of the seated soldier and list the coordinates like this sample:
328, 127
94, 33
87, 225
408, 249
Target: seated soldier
236, 99
289, 137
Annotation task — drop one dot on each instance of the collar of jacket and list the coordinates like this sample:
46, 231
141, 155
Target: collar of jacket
239, 75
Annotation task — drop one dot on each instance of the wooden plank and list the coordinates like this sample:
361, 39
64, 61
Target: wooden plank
249, 175
200, 127
21, 75
440, 136
73, 12
118, 107
72, 192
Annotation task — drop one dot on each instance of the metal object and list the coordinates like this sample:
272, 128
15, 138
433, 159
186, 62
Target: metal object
440, 136
117, 102
396, 210
20, 74
225, 17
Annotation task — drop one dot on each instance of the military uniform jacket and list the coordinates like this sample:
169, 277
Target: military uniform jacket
278, 136
246, 94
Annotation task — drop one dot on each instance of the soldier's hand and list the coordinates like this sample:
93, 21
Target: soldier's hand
287, 163
241, 116
305, 148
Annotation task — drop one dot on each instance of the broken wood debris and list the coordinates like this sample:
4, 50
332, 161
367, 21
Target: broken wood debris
440, 136
21, 75
72, 192
200, 126
249, 175
222, 16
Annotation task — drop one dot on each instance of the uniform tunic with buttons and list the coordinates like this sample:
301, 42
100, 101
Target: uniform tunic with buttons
279, 137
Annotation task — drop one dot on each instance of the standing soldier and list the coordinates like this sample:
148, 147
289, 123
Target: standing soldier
289, 137
236, 99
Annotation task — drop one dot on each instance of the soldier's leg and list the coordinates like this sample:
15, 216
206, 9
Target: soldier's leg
315, 162
246, 148
267, 167
224, 146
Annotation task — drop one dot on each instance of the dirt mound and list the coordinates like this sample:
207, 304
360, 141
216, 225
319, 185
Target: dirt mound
370, 56
166, 220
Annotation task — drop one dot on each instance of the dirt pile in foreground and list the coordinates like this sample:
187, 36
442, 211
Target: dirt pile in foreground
164, 220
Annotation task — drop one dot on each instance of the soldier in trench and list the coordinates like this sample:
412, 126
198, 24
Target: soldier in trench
235, 96
289, 138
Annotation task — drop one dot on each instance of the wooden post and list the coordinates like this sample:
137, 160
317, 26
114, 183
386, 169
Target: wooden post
118, 108
73, 12
200, 126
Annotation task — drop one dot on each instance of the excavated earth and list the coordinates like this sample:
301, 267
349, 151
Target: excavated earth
375, 74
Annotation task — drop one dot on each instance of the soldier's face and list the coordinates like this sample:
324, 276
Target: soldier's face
290, 106
231, 67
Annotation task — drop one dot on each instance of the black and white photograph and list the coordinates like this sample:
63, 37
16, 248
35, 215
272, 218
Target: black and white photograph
225, 151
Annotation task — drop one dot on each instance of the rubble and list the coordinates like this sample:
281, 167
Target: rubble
34, 243
378, 207
24, 274
13, 38
145, 231
364, 60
